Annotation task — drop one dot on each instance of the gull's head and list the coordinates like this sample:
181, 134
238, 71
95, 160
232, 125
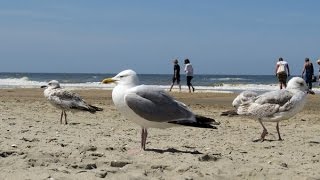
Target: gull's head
53, 84
126, 77
243, 97
297, 83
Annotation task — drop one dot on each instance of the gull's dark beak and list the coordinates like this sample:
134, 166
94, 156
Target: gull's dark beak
44, 86
309, 91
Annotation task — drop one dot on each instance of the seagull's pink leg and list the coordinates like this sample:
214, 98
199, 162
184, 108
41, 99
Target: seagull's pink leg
144, 134
61, 117
65, 117
264, 132
280, 139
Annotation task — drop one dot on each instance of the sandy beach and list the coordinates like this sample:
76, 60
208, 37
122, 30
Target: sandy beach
34, 145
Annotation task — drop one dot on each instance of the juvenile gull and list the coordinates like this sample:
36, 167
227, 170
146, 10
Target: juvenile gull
275, 106
66, 100
150, 107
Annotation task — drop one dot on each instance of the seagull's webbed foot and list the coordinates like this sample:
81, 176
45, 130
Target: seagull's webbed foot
263, 135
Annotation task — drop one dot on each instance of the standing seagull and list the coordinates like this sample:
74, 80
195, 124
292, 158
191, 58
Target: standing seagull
66, 100
150, 106
275, 106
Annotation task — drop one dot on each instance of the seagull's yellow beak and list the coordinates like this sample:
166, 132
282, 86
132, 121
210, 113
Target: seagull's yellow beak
108, 81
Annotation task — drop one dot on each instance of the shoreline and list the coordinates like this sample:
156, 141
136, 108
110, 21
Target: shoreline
34, 145
227, 88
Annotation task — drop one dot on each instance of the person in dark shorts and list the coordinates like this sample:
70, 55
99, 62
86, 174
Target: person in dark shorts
308, 72
176, 74
318, 62
282, 72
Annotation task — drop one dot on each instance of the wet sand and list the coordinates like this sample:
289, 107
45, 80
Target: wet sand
34, 145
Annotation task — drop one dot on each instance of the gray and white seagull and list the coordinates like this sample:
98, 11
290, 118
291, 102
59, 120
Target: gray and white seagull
273, 106
151, 107
66, 100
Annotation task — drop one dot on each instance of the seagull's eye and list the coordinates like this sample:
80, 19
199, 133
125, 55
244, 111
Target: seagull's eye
122, 76
49, 84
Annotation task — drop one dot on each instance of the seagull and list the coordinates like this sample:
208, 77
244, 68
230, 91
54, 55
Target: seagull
66, 100
274, 106
151, 107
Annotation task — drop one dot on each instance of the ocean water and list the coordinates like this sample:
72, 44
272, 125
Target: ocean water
203, 83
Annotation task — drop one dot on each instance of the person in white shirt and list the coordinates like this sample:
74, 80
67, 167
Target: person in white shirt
282, 72
189, 73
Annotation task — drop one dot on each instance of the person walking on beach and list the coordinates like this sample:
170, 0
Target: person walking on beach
176, 74
307, 72
282, 72
189, 73
318, 62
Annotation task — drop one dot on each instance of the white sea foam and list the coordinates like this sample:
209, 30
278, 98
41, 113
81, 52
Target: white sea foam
24, 82
250, 87
231, 88
228, 79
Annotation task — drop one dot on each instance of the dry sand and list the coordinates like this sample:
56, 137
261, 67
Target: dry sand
34, 145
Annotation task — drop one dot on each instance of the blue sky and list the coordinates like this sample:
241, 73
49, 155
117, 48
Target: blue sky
219, 37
